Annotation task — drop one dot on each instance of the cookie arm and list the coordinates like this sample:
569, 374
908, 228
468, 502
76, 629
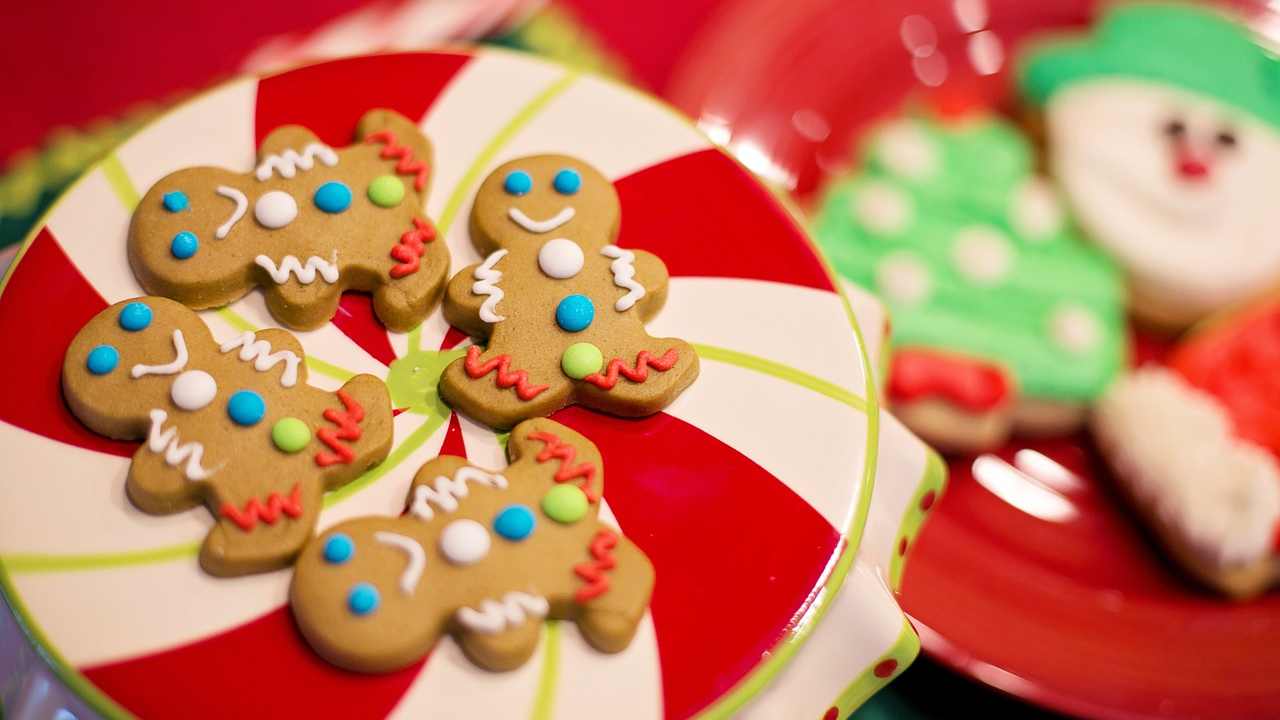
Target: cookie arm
651, 274
463, 306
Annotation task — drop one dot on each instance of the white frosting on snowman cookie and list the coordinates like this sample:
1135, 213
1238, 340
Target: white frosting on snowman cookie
1178, 187
1172, 445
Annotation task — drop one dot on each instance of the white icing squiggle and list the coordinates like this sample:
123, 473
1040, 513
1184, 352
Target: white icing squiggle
242, 204
259, 351
171, 368
164, 441
288, 162
513, 610
624, 276
446, 492
487, 284
540, 226
290, 264
417, 558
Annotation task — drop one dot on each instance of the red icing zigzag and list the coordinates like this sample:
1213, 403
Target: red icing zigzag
558, 449
411, 247
269, 513
347, 430
407, 165
644, 361
505, 379
593, 571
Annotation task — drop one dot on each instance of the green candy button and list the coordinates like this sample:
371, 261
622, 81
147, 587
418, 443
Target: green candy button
581, 359
565, 504
386, 191
291, 434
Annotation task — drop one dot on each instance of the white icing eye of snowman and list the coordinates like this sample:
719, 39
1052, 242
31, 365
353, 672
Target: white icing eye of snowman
275, 209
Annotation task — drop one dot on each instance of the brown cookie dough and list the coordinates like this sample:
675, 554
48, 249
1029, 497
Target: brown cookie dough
483, 555
308, 223
235, 426
562, 307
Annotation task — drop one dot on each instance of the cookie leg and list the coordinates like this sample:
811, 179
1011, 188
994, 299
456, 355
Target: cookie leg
303, 307
257, 533
642, 380
504, 650
403, 302
609, 620
494, 389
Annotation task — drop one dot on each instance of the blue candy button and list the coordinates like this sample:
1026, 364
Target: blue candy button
175, 201
338, 548
135, 316
103, 359
575, 313
246, 407
567, 181
333, 197
518, 183
363, 599
514, 522
184, 245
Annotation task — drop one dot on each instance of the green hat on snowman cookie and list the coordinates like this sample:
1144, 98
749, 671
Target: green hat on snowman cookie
1188, 47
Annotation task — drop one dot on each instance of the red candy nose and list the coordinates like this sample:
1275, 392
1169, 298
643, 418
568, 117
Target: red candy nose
1192, 168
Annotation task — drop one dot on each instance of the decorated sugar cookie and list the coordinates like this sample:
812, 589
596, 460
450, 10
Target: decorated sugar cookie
307, 223
1002, 318
486, 555
1195, 447
561, 306
1163, 127
232, 425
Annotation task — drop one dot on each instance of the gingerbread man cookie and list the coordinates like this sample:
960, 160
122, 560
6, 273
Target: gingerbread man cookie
563, 307
233, 425
481, 554
308, 223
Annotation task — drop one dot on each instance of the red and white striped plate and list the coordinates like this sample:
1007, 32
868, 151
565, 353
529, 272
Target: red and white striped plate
752, 494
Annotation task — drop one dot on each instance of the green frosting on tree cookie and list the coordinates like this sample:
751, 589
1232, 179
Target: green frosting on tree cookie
973, 253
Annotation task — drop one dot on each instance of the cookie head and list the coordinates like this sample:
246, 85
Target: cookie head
540, 197
356, 593
188, 231
134, 357
1175, 185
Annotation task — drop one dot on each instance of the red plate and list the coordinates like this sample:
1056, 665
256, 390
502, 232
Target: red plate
1031, 576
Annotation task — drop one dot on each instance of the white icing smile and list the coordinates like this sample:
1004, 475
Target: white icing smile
540, 226
417, 558
495, 616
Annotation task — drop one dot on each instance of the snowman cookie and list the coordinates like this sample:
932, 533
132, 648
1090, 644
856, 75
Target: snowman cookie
562, 308
1195, 446
308, 223
1003, 319
484, 555
232, 425
1163, 127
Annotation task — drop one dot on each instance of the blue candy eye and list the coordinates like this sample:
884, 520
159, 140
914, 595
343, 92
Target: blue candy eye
567, 181
518, 182
363, 599
338, 548
246, 407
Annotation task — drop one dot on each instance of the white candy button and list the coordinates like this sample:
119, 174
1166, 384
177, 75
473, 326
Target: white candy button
560, 258
275, 209
464, 542
193, 389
